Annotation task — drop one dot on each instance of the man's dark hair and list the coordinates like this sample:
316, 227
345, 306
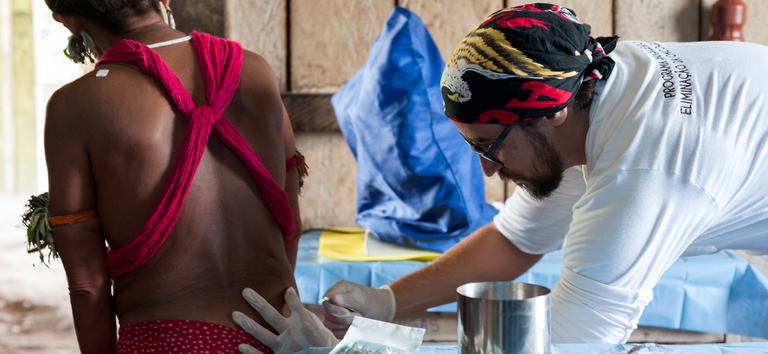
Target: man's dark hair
584, 96
108, 14
583, 100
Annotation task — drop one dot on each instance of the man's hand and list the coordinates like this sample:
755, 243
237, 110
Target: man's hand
378, 304
298, 332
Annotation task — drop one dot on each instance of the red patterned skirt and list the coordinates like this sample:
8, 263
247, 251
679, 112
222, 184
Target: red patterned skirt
183, 337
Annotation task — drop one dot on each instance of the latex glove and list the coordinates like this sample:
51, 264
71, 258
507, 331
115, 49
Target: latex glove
378, 304
298, 332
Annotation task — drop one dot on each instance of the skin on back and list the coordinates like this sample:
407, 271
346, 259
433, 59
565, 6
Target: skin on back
111, 143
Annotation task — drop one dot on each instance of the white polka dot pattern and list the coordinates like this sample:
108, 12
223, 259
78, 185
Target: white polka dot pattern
183, 337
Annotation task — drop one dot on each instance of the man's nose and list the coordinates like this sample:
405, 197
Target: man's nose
489, 168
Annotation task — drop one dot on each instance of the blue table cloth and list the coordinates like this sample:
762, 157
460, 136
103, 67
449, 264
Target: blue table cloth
734, 348
717, 293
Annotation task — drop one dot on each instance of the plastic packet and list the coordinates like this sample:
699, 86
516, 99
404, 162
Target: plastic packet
647, 348
367, 336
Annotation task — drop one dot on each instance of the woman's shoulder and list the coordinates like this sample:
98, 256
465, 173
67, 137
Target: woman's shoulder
103, 85
256, 67
259, 87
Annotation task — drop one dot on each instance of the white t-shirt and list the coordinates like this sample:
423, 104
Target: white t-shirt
677, 154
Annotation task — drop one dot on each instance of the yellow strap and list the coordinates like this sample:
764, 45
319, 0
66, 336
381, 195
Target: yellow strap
75, 218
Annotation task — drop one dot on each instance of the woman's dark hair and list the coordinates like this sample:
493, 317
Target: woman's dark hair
109, 14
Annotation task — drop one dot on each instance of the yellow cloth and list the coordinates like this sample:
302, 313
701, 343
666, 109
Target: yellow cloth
348, 244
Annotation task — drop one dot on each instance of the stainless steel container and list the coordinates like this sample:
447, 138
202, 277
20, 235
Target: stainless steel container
503, 318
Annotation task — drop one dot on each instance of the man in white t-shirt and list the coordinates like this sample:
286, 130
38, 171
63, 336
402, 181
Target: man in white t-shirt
675, 143
657, 151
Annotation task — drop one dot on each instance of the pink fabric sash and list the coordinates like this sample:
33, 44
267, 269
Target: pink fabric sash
220, 62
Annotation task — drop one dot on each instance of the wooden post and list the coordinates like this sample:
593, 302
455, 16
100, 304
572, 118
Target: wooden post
24, 96
727, 18
5, 94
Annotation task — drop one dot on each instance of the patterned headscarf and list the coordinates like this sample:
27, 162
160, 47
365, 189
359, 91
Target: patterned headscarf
522, 62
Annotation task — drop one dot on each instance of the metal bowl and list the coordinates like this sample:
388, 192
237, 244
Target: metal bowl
503, 318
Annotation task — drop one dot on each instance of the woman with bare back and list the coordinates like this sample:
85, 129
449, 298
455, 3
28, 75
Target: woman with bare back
177, 151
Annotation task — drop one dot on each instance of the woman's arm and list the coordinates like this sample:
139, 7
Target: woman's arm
292, 188
81, 246
264, 93
83, 253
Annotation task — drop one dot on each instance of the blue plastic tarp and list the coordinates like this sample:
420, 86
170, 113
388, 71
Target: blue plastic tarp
717, 293
418, 183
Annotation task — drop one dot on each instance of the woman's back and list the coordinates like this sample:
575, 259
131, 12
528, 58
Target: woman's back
128, 132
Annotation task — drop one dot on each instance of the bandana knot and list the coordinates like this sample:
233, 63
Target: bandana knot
521, 63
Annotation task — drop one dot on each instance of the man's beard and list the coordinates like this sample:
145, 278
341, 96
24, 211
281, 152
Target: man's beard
548, 167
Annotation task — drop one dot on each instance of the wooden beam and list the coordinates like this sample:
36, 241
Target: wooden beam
311, 112
645, 334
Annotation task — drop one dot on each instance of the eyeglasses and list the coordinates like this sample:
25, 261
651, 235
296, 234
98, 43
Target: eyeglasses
488, 155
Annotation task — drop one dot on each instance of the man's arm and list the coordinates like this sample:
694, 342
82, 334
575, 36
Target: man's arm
81, 246
532, 228
486, 255
520, 234
626, 231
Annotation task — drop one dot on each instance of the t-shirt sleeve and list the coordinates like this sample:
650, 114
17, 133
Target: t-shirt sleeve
539, 226
628, 229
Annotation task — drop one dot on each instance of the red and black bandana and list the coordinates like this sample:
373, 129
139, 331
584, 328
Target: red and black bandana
521, 63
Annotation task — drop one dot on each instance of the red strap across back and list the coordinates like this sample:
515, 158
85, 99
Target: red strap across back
220, 62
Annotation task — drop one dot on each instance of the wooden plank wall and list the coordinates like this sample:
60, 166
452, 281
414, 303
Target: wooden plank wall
316, 46
330, 39
658, 20
200, 15
261, 26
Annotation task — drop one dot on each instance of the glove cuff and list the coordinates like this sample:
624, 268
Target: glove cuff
393, 305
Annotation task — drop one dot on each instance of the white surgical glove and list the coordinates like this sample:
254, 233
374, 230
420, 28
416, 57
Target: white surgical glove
378, 304
298, 332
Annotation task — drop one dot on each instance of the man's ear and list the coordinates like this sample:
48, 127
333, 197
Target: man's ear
558, 118
165, 2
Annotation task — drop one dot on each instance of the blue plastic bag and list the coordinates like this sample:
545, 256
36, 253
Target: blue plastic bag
418, 183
